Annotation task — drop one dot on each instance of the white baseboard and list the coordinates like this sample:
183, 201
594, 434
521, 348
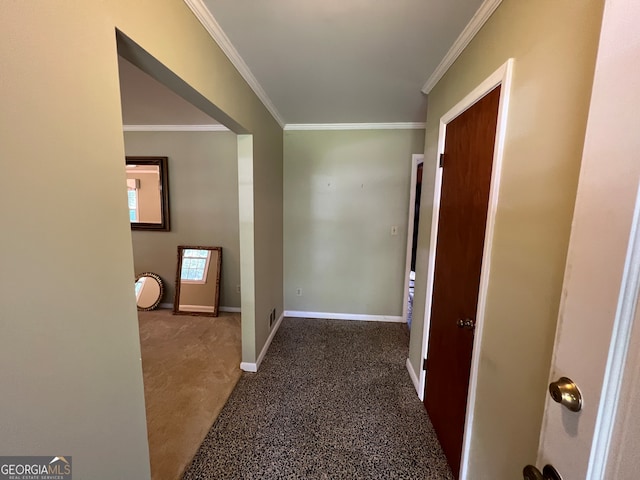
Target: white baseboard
345, 316
253, 367
230, 309
414, 378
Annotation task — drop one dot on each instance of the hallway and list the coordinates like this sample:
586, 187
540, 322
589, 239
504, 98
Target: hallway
332, 399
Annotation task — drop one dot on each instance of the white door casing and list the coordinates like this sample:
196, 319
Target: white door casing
599, 292
502, 76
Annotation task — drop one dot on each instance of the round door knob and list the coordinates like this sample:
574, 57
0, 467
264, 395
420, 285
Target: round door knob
548, 473
531, 473
565, 392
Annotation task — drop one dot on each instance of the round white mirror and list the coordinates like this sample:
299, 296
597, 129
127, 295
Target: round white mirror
149, 291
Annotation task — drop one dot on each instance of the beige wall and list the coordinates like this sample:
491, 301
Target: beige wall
203, 191
554, 45
71, 376
268, 246
344, 190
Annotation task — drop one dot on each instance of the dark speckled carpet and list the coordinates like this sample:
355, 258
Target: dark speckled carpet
332, 399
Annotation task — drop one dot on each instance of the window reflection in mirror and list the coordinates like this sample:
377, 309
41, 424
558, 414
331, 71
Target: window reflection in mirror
148, 193
198, 280
195, 266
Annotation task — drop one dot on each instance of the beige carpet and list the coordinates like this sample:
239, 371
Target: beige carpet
190, 366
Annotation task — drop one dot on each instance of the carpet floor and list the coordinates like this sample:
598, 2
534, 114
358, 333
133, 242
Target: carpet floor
190, 365
332, 400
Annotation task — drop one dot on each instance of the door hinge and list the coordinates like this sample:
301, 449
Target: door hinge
424, 364
441, 160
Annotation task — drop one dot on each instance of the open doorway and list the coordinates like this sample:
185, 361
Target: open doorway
190, 363
415, 193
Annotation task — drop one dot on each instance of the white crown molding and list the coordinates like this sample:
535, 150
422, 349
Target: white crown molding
355, 126
175, 128
473, 27
208, 21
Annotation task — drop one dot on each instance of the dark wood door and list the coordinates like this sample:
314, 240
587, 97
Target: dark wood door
466, 179
416, 216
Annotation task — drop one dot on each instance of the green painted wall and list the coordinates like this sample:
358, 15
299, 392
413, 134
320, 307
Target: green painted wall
554, 46
344, 190
70, 348
203, 188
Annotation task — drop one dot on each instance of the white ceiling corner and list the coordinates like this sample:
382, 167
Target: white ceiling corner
473, 27
205, 17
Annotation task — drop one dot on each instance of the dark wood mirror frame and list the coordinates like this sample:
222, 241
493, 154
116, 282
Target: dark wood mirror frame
162, 164
215, 269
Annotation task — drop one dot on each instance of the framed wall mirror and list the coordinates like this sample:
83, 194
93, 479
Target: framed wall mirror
148, 192
198, 281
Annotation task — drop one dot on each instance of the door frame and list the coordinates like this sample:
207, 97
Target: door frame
416, 160
502, 76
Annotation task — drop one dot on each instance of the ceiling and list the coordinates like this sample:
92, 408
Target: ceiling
323, 61
343, 61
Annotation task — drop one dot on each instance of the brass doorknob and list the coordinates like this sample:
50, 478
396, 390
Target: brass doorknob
531, 473
565, 392
548, 473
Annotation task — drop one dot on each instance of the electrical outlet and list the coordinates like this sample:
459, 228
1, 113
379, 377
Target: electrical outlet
237, 288
299, 292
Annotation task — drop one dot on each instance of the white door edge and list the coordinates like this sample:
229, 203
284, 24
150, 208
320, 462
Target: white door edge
617, 357
502, 76
416, 159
